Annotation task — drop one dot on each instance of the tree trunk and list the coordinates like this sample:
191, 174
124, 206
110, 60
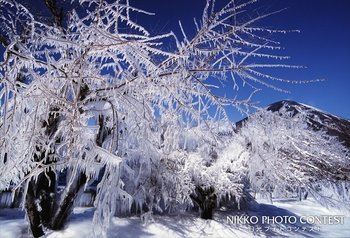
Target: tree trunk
65, 207
41, 206
205, 198
33, 212
46, 194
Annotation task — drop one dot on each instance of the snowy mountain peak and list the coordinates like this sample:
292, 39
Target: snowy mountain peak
296, 107
317, 119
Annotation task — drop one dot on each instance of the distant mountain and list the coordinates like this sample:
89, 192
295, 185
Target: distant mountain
316, 119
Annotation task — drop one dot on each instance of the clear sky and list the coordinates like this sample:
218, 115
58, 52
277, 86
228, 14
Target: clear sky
323, 45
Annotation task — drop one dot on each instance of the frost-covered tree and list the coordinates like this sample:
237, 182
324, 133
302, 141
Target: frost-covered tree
285, 154
94, 96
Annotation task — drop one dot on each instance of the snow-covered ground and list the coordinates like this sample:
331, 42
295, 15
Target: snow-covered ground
12, 223
310, 207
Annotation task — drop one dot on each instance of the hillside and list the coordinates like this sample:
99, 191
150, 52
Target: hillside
316, 119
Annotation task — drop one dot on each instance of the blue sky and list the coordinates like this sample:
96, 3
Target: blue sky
323, 46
